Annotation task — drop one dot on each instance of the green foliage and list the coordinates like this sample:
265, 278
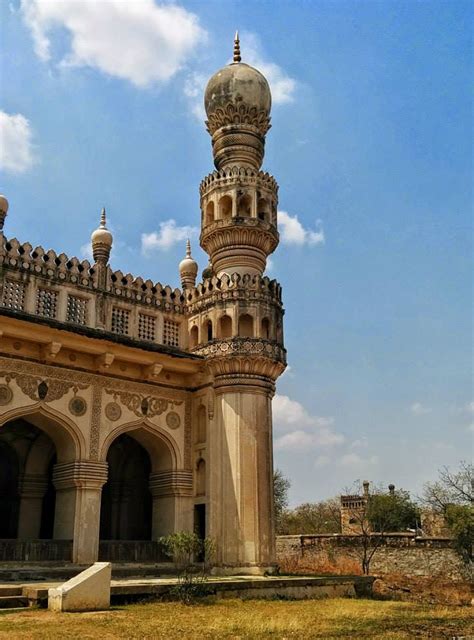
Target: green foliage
460, 520
312, 517
281, 486
392, 512
186, 549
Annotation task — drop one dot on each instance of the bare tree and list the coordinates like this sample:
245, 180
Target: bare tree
452, 487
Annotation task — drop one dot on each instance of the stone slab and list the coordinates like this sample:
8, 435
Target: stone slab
88, 591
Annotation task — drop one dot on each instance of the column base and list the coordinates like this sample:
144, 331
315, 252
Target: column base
245, 570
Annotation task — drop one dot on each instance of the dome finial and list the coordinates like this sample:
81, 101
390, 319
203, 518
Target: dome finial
188, 269
237, 57
101, 240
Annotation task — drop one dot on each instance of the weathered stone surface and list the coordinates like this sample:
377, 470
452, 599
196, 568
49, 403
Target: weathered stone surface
88, 591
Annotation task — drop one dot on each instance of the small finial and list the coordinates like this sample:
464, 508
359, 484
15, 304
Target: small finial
237, 57
188, 248
102, 218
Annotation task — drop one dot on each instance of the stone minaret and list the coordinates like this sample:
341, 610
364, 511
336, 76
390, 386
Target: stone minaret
243, 327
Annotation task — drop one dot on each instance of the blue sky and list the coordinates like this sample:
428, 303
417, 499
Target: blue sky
101, 104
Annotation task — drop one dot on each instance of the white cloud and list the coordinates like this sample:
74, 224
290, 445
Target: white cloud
168, 235
355, 460
293, 232
282, 85
471, 427
194, 90
419, 410
470, 407
321, 461
138, 41
16, 147
289, 413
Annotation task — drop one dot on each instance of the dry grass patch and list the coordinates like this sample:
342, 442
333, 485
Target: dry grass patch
245, 620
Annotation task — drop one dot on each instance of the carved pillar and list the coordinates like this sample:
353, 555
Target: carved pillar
172, 502
240, 495
32, 491
78, 495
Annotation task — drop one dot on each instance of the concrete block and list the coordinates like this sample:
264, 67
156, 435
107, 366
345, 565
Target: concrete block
88, 591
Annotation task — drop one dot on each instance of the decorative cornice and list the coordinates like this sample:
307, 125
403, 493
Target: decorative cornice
230, 233
238, 175
244, 356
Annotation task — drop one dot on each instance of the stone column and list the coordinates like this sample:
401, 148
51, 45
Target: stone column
32, 488
78, 495
172, 502
241, 517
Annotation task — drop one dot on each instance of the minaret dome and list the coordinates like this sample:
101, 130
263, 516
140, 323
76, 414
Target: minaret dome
238, 94
101, 240
188, 269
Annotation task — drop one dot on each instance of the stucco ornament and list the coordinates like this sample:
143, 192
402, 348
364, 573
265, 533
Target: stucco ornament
173, 420
6, 395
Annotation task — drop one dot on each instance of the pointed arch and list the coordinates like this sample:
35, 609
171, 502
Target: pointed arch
66, 436
161, 447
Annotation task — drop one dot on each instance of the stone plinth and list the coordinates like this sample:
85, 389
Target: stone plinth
88, 591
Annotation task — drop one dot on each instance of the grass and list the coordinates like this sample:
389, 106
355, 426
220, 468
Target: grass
245, 620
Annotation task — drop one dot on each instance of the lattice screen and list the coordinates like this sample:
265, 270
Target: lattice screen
46, 303
146, 327
76, 310
171, 333
13, 295
120, 320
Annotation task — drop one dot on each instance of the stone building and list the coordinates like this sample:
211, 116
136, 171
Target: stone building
129, 409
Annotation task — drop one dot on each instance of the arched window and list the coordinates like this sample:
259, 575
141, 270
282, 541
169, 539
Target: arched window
209, 218
201, 427
265, 328
225, 327
206, 334
201, 477
225, 207
263, 210
193, 337
246, 326
244, 206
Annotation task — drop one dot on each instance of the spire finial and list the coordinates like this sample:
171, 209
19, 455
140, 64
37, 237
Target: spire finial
102, 218
237, 57
188, 248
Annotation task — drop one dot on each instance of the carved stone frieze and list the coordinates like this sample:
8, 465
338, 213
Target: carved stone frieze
235, 115
36, 387
11, 367
243, 347
143, 405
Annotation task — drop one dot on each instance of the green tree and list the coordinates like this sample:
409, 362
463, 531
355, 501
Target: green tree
281, 486
392, 512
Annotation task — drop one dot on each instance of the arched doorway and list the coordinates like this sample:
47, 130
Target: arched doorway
33, 506
27, 493
126, 499
141, 499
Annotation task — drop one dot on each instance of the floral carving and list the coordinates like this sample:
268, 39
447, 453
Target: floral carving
242, 114
36, 388
142, 405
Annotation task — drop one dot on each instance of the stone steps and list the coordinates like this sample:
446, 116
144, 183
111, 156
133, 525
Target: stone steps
13, 602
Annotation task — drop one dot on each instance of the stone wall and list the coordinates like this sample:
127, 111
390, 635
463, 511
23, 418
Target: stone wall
399, 553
